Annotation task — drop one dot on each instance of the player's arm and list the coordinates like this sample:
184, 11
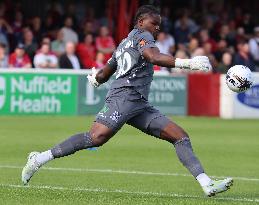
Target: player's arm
153, 55
104, 74
96, 78
101, 76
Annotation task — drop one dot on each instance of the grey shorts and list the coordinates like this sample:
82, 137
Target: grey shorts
128, 106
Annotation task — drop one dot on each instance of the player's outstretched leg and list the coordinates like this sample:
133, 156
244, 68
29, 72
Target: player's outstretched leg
179, 138
98, 135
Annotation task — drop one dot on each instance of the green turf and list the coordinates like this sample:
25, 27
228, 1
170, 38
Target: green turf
225, 147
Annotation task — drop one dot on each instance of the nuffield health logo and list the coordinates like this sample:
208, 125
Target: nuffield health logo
2, 92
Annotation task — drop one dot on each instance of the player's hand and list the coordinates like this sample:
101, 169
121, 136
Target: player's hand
200, 63
92, 78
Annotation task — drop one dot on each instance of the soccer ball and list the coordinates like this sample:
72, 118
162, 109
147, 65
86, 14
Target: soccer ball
239, 78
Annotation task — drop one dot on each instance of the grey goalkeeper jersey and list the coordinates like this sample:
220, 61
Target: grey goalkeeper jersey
132, 69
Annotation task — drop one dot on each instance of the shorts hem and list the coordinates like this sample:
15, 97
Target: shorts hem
107, 124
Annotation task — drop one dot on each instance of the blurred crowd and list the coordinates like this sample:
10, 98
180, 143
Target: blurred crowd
60, 40
226, 38
64, 39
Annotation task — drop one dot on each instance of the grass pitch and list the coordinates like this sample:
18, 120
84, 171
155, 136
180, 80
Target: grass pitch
132, 168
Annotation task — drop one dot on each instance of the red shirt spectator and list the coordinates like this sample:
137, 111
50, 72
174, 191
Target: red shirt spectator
19, 59
87, 51
105, 43
99, 61
205, 38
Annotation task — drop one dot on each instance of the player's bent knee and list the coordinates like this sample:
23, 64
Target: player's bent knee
99, 139
173, 133
100, 134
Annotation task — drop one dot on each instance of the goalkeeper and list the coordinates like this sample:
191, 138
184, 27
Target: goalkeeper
127, 102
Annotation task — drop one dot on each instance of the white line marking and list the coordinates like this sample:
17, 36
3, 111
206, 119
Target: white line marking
101, 190
125, 172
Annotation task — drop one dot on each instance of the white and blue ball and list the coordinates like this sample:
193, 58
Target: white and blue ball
239, 78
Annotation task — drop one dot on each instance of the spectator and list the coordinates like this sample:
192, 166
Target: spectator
19, 59
182, 32
17, 26
221, 48
193, 45
71, 14
30, 46
37, 30
105, 43
254, 47
68, 32
198, 52
247, 23
213, 11
226, 35
166, 23
44, 58
91, 17
238, 16
207, 48
185, 20
240, 35
58, 45
69, 60
243, 57
3, 57
224, 64
99, 61
232, 29
223, 18
49, 26
105, 20
87, 51
165, 42
46, 40
181, 54
206, 39
208, 24
87, 29
182, 47
5, 30
55, 10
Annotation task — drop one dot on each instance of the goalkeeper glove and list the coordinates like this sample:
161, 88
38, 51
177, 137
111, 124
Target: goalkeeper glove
92, 78
196, 63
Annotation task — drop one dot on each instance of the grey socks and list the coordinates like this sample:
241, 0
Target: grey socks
72, 144
185, 154
81, 141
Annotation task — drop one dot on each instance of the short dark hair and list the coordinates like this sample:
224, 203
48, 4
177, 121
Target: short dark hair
145, 9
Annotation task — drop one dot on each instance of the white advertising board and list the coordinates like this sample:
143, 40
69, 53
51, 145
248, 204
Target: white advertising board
239, 105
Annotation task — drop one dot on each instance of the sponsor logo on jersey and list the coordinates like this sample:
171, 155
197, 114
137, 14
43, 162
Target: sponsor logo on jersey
142, 42
250, 97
